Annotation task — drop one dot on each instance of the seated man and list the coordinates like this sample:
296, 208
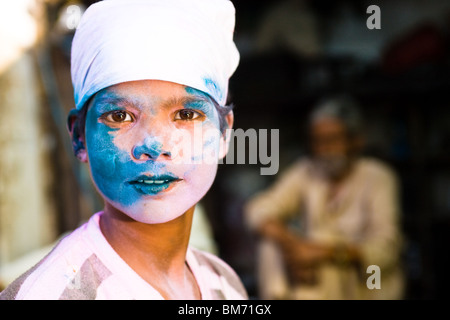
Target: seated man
346, 215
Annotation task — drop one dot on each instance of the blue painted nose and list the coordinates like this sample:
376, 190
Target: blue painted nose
150, 149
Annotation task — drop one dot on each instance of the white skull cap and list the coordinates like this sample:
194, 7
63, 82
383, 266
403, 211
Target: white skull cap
189, 42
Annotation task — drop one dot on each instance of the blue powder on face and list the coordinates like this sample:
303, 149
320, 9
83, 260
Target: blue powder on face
112, 168
151, 147
213, 88
204, 104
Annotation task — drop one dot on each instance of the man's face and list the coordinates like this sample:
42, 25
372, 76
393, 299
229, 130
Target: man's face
153, 147
331, 146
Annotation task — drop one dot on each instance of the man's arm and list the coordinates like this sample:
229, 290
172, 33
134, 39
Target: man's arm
278, 202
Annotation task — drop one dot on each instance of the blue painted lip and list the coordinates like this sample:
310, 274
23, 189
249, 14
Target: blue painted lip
152, 185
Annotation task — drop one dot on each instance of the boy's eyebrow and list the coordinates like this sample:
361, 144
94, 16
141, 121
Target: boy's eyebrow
113, 99
184, 100
172, 101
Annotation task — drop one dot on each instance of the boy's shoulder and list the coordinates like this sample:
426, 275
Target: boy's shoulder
230, 285
76, 269
49, 278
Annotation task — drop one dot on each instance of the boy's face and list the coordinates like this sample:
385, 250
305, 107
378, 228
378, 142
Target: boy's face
153, 147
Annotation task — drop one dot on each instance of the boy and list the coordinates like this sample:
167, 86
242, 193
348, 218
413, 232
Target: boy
150, 80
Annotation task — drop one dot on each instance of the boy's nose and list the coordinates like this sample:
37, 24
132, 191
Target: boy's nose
150, 149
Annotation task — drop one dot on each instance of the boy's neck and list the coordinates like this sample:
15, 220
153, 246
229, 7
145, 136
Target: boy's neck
155, 251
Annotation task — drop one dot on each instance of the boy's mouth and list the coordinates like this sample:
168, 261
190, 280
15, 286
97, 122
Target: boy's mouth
151, 185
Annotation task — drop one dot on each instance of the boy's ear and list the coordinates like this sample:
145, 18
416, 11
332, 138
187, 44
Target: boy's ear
78, 144
226, 136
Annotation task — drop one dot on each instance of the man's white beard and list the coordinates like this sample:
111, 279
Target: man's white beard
332, 167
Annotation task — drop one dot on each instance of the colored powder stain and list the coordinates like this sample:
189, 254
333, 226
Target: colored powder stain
151, 147
112, 168
211, 125
77, 145
210, 141
204, 104
213, 88
210, 149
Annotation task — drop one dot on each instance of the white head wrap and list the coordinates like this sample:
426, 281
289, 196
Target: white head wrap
189, 42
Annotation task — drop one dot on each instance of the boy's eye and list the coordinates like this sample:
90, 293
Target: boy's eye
187, 114
119, 116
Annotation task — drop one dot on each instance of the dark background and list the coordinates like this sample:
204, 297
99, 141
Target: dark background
403, 90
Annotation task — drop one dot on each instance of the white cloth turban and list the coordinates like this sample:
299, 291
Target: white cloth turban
189, 42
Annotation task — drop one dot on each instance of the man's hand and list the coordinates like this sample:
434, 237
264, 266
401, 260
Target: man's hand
301, 256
